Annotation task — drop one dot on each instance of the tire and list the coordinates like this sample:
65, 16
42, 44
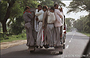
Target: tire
60, 52
41, 47
31, 51
36, 46
46, 46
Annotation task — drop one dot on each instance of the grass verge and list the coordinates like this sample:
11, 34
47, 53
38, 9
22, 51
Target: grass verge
12, 37
88, 34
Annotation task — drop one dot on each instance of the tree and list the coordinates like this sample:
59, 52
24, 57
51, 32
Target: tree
5, 12
30, 3
13, 8
50, 3
17, 27
69, 22
79, 5
59, 2
83, 24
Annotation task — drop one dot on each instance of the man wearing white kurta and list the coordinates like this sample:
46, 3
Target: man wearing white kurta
58, 24
39, 12
50, 27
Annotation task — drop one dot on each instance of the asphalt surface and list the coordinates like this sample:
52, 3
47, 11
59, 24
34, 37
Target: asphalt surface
75, 45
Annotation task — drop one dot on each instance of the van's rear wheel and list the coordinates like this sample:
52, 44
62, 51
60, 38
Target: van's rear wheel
46, 46
60, 52
32, 49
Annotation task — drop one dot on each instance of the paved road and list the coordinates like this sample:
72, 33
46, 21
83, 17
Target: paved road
75, 44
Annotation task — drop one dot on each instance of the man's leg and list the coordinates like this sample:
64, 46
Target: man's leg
31, 36
48, 34
27, 34
53, 34
57, 36
39, 35
58, 46
61, 39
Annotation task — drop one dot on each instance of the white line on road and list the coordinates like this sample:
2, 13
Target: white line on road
71, 38
73, 35
67, 46
70, 41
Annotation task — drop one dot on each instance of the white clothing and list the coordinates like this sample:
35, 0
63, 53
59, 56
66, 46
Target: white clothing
62, 19
36, 25
51, 17
39, 35
40, 30
39, 14
58, 21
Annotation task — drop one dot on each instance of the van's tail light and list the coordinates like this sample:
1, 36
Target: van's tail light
65, 32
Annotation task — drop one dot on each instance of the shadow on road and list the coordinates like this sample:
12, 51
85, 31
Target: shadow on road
26, 54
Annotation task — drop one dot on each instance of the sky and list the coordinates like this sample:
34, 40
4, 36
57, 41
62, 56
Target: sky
72, 14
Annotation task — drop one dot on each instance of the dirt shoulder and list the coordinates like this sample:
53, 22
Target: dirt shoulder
5, 45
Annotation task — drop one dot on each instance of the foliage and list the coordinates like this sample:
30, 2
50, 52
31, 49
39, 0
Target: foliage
30, 3
88, 34
83, 24
10, 9
16, 10
1, 36
59, 2
68, 22
50, 3
17, 27
13, 37
79, 5
3, 7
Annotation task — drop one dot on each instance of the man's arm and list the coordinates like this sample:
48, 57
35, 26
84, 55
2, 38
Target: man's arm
30, 16
58, 12
44, 19
38, 13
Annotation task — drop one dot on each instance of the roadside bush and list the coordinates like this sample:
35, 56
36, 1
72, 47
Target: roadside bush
1, 36
4, 36
17, 26
83, 24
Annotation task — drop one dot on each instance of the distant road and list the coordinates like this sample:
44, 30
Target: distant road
75, 44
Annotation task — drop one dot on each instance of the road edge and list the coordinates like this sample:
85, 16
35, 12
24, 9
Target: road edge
5, 45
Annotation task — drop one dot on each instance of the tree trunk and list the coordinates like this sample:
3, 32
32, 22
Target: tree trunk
4, 26
7, 15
